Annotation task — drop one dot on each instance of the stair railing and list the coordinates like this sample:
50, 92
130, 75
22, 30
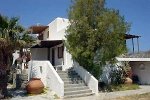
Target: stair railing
49, 76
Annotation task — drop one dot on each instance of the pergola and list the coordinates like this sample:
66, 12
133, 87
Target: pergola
129, 36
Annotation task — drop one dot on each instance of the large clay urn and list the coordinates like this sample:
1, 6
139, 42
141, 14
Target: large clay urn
35, 86
128, 80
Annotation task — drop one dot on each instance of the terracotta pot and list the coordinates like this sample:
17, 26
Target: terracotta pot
128, 80
35, 86
129, 73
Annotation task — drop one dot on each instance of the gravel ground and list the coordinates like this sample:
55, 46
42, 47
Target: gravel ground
21, 95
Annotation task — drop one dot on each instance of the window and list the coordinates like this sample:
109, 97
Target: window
48, 34
60, 51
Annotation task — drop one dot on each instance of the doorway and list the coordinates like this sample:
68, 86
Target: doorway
48, 54
53, 56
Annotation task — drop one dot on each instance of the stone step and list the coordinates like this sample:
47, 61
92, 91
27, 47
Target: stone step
23, 84
73, 81
74, 85
65, 71
78, 95
60, 71
76, 88
77, 92
69, 76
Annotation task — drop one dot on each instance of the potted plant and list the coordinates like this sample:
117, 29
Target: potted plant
128, 73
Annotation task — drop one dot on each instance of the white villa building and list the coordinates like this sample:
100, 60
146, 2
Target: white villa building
51, 62
51, 46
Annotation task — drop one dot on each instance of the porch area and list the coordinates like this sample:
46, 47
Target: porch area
53, 51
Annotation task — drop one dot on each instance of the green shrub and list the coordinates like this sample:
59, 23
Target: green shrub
117, 77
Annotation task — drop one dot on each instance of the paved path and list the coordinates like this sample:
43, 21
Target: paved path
100, 96
111, 95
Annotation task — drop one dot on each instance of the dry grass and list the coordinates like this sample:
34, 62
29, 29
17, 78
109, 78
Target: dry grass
123, 87
145, 96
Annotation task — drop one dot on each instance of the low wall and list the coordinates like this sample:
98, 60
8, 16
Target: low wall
89, 79
48, 75
54, 81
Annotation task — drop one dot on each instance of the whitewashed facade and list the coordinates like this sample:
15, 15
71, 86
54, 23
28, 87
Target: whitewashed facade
52, 51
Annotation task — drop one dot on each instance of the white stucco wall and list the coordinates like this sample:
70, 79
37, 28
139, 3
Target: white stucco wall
56, 29
48, 75
62, 23
39, 53
52, 29
68, 62
38, 69
45, 32
143, 73
88, 78
54, 81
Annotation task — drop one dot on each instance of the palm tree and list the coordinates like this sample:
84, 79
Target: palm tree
10, 40
29, 40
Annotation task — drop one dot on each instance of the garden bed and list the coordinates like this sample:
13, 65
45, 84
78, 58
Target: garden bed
123, 87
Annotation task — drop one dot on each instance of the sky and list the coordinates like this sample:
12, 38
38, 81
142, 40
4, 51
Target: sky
32, 12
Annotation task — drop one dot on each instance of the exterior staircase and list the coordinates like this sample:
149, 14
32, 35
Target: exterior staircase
74, 86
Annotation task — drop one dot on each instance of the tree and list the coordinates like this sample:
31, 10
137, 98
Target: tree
95, 34
29, 40
10, 40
